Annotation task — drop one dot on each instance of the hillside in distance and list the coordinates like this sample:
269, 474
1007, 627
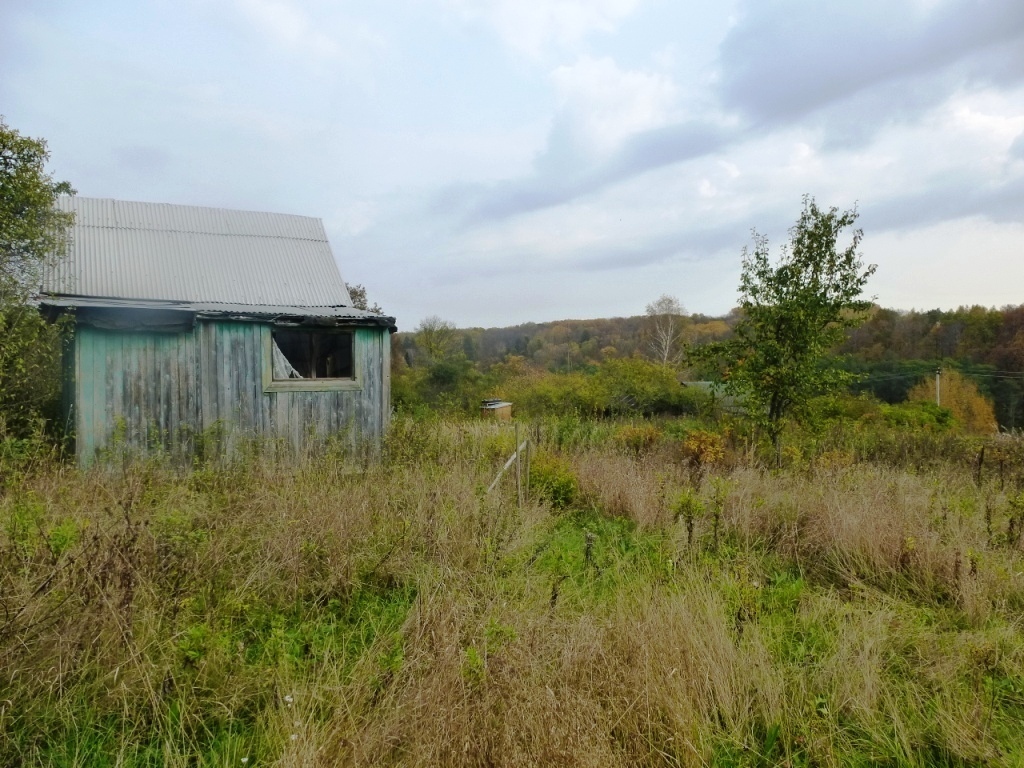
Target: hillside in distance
893, 349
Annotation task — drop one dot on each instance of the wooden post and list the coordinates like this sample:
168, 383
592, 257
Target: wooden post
529, 450
519, 472
513, 459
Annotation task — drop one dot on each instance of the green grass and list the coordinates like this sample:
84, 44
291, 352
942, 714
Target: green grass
852, 614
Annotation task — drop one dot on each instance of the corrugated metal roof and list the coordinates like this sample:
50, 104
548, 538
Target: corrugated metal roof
180, 253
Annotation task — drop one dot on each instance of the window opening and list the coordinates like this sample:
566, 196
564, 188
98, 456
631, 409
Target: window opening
312, 354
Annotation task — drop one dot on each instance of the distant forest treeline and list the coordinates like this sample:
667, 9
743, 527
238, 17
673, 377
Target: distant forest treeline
560, 345
893, 350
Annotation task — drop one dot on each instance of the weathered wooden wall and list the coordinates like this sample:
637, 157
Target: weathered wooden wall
182, 392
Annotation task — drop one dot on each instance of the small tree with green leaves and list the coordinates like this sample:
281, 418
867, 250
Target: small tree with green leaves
360, 300
793, 313
33, 235
436, 338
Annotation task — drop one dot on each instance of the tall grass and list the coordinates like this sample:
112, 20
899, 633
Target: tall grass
391, 612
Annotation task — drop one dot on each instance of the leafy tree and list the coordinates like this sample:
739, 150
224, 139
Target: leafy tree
33, 235
360, 301
435, 338
666, 323
792, 313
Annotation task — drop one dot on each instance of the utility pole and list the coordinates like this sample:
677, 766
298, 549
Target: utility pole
938, 377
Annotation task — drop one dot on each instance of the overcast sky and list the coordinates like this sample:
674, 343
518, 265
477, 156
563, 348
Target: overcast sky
501, 161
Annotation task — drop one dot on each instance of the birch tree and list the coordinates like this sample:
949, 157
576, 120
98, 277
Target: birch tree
666, 325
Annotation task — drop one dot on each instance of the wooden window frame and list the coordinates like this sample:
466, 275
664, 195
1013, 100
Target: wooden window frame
270, 384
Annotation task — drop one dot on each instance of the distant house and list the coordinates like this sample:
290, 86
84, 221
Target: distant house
202, 325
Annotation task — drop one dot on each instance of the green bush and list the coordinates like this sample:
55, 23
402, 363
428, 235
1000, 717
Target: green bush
635, 385
539, 393
919, 414
553, 479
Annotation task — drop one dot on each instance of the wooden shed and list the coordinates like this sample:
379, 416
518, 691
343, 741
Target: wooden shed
494, 408
196, 325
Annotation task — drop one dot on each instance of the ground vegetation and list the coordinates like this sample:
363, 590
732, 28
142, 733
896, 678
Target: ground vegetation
656, 598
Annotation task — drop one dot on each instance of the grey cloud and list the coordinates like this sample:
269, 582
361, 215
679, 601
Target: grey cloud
1002, 65
788, 58
689, 244
562, 178
872, 63
853, 123
946, 200
1017, 147
661, 147
695, 242
950, 199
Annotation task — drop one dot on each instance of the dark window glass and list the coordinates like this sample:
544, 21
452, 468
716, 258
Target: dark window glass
315, 354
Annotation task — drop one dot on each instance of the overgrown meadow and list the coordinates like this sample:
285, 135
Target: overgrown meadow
652, 595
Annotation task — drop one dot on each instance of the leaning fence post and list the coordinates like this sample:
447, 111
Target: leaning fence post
513, 459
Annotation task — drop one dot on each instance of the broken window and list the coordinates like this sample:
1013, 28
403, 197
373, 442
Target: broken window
312, 354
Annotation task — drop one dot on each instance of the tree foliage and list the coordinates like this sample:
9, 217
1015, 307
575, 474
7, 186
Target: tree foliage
360, 300
895, 349
793, 312
33, 235
436, 338
972, 410
666, 327
33, 232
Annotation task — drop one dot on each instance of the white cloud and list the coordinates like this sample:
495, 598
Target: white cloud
605, 105
989, 117
731, 169
533, 27
289, 25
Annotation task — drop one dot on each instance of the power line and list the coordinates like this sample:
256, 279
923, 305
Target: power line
888, 377
965, 371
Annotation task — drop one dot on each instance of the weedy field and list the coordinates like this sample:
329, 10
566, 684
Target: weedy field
659, 597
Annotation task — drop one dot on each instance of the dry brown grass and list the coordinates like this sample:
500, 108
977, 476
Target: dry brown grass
398, 615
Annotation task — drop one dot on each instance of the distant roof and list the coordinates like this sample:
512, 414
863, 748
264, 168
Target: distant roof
148, 254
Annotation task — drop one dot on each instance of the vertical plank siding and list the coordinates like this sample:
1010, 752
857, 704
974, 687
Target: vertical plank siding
178, 393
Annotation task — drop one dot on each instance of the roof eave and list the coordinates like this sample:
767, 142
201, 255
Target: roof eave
297, 315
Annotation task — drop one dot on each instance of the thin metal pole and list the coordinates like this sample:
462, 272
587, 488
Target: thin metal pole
938, 376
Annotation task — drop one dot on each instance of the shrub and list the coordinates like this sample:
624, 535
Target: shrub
553, 478
635, 385
637, 440
703, 449
916, 414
